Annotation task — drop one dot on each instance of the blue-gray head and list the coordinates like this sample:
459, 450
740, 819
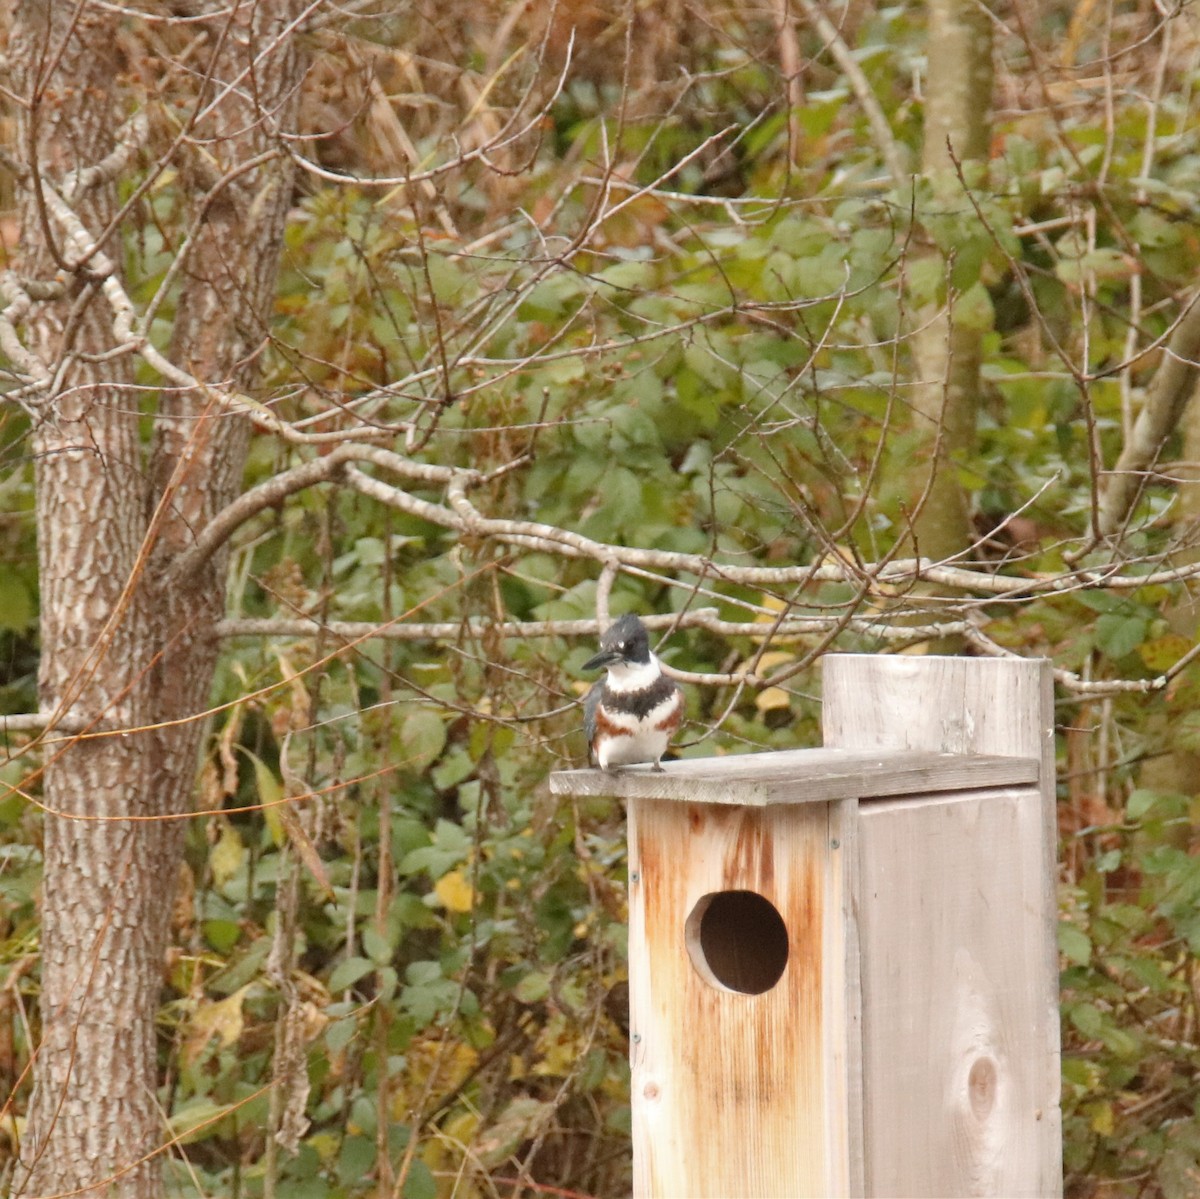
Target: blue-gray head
624, 641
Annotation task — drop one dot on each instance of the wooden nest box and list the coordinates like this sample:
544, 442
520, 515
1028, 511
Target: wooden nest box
842, 964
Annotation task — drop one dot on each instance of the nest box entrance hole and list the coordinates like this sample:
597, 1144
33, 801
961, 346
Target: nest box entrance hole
737, 941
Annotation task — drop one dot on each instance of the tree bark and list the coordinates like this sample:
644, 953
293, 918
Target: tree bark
124, 644
958, 99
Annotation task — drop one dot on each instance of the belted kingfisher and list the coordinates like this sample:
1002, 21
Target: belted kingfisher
630, 714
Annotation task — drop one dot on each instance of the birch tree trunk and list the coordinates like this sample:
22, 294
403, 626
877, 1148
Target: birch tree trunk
126, 644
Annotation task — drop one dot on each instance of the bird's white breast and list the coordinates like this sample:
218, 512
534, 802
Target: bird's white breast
641, 740
645, 745
636, 676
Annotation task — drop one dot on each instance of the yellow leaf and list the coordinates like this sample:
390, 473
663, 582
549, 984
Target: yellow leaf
228, 856
270, 792
771, 602
225, 747
222, 1020
454, 892
462, 1127
771, 698
326, 1145
1101, 1117
301, 705
432, 1062
304, 848
13, 1127
773, 658
558, 1048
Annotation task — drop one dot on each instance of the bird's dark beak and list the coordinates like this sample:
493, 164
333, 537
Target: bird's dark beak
604, 658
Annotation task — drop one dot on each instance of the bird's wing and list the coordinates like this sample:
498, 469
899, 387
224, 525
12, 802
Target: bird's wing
590, 703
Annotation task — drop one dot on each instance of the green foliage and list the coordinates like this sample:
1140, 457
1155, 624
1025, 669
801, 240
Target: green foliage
1129, 1000
723, 365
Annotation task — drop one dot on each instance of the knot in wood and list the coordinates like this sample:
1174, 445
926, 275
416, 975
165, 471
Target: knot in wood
982, 1083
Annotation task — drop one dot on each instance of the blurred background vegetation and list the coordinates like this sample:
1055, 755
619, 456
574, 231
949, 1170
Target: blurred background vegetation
684, 297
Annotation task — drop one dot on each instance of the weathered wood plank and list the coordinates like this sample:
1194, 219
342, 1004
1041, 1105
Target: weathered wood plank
802, 776
962, 706
960, 1089
939, 704
843, 1022
737, 1094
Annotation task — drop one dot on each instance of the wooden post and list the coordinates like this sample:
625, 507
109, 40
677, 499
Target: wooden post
841, 960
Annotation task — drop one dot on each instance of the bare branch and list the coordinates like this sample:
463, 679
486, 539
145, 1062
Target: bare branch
884, 577
881, 131
131, 138
778, 632
1173, 385
19, 304
507, 136
250, 503
34, 722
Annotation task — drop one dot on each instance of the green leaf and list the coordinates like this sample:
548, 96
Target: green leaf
1109, 265
423, 737
356, 1160
550, 299
339, 1034
376, 946
420, 1183
452, 769
973, 309
449, 282
926, 278
348, 972
243, 970
797, 236
449, 847
1120, 635
1186, 732
628, 276
560, 371
1079, 1072
222, 935
198, 1119
16, 606
1103, 601
534, 987
1142, 801
419, 974
1087, 1019
1074, 944
1154, 231
1120, 1043
423, 1001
